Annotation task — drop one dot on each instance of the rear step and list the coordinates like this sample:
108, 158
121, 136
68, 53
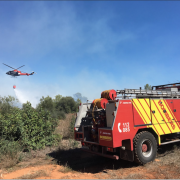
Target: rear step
170, 142
105, 155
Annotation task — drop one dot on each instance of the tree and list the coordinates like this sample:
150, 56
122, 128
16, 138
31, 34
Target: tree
47, 103
7, 103
147, 87
78, 102
67, 104
57, 98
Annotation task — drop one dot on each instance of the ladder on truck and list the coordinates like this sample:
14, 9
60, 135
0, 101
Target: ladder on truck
142, 93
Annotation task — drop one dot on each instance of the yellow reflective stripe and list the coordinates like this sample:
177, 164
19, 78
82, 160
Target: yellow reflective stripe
143, 108
146, 111
137, 109
160, 118
168, 117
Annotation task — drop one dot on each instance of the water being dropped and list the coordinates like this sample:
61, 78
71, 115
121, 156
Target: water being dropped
23, 97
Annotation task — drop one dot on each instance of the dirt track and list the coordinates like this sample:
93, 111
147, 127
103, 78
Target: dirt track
76, 164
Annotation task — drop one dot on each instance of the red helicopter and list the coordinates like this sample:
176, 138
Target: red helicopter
15, 72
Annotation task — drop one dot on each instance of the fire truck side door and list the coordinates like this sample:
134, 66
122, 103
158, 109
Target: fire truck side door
156, 113
160, 114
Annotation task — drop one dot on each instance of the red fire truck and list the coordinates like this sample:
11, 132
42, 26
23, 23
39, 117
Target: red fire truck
130, 124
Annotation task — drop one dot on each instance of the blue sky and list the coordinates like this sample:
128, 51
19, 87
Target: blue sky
88, 47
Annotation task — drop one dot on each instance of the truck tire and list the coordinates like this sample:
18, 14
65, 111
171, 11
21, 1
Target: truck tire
145, 147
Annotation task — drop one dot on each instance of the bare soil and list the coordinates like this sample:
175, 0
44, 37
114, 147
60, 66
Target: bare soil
73, 163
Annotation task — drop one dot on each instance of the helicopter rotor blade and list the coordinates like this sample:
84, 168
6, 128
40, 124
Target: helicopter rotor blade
20, 66
8, 66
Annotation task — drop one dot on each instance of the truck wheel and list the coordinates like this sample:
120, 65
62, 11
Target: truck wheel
145, 147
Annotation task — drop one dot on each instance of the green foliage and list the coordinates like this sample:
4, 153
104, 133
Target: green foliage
58, 106
33, 130
67, 104
147, 87
57, 98
58, 114
10, 153
6, 103
78, 102
47, 103
10, 124
71, 126
10, 148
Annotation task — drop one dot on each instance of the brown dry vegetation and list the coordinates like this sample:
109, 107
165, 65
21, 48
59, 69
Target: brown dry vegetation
63, 127
73, 163
10, 160
67, 161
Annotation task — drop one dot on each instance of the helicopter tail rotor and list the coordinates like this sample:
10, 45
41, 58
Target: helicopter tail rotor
33, 73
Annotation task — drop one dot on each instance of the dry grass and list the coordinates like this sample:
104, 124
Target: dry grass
102, 175
168, 166
65, 169
33, 158
40, 173
113, 175
63, 127
172, 158
38, 157
10, 160
69, 144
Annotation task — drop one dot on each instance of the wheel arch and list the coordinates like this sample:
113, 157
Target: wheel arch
151, 131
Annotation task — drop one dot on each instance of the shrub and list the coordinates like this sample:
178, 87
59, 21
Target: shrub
10, 153
33, 130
